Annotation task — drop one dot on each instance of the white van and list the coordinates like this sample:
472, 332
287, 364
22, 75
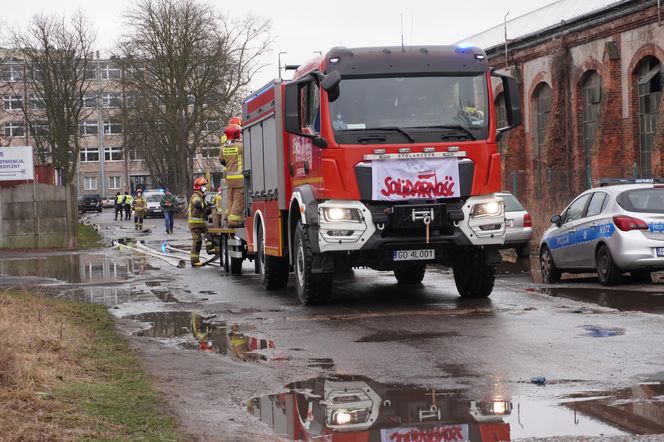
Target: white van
153, 198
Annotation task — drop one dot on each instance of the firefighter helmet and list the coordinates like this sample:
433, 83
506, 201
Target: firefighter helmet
236, 120
199, 182
233, 132
139, 191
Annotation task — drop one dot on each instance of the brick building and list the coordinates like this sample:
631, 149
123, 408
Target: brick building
106, 164
590, 81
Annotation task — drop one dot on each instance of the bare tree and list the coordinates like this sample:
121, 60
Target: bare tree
57, 54
185, 67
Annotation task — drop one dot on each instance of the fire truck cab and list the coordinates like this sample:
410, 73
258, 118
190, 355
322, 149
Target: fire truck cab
377, 157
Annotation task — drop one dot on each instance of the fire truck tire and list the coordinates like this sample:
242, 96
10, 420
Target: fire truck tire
473, 277
410, 274
312, 288
236, 266
273, 270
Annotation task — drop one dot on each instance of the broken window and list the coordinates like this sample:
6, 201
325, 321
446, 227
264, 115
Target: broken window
591, 88
649, 89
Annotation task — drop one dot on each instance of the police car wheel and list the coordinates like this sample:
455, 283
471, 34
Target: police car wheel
608, 272
550, 273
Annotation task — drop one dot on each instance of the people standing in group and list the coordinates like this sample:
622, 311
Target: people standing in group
217, 208
119, 205
169, 205
139, 205
231, 158
196, 217
127, 205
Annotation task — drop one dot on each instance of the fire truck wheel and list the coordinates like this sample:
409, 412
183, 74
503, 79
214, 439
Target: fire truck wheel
410, 274
473, 277
312, 288
273, 270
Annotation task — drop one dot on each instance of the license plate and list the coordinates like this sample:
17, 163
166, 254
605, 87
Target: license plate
413, 255
660, 251
157, 210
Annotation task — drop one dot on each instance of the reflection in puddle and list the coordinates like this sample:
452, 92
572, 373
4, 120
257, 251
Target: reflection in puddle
344, 408
625, 300
164, 324
211, 336
356, 408
639, 409
75, 268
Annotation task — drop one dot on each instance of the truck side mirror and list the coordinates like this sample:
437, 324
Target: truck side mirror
331, 85
292, 108
512, 103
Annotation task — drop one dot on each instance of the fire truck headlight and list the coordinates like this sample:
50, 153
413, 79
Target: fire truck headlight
349, 416
501, 407
489, 208
335, 214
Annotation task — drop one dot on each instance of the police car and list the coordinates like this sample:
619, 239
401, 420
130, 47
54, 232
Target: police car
612, 229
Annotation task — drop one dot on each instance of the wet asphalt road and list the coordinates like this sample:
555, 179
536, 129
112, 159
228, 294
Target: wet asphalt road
570, 360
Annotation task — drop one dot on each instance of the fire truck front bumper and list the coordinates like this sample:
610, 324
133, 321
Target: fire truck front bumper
353, 226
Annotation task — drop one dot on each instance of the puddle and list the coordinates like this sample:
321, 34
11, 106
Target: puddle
596, 331
637, 410
164, 295
624, 300
405, 335
76, 268
164, 324
210, 335
358, 408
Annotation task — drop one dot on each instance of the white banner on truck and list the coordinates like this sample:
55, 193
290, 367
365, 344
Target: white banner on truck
16, 163
396, 180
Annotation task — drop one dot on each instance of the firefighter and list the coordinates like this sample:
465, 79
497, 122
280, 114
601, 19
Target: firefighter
119, 205
139, 205
231, 159
127, 205
196, 216
218, 210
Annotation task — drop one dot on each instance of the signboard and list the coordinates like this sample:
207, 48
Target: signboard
398, 180
16, 163
439, 433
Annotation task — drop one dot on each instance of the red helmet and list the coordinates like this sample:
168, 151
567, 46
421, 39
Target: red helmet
233, 132
198, 182
236, 120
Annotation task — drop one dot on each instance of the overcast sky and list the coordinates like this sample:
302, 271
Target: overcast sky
303, 27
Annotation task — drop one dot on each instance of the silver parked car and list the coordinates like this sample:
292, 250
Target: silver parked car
518, 225
610, 230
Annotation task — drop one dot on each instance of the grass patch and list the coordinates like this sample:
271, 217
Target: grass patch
66, 375
88, 237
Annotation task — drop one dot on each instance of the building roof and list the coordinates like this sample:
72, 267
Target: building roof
546, 17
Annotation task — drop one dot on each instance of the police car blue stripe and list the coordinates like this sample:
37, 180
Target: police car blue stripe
656, 227
582, 236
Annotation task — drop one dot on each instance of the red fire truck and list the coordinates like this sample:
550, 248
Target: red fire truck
375, 157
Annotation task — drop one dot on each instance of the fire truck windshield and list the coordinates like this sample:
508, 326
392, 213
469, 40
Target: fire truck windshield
439, 103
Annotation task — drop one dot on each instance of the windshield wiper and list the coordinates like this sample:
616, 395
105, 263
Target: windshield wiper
450, 127
396, 129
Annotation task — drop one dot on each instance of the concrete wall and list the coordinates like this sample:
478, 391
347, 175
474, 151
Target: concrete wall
38, 216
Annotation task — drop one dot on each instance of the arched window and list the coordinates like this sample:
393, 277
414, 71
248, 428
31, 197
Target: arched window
591, 92
501, 116
542, 108
649, 88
